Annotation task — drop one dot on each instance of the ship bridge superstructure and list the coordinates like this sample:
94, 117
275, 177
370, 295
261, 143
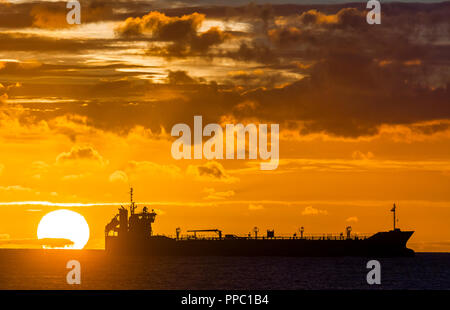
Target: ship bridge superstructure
138, 224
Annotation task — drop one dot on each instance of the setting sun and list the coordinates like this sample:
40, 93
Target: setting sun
64, 224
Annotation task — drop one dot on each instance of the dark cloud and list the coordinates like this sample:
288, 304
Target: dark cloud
351, 98
363, 75
80, 152
53, 15
37, 43
259, 78
254, 51
88, 73
180, 77
202, 42
211, 170
182, 32
356, 76
47, 242
119, 105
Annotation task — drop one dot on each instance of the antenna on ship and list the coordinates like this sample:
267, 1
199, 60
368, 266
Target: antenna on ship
393, 211
132, 206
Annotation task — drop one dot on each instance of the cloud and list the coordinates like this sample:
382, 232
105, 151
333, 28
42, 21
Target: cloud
358, 165
180, 77
352, 219
182, 32
309, 210
118, 176
48, 17
255, 207
203, 41
40, 166
345, 92
259, 78
215, 195
32, 42
162, 27
254, 51
15, 188
342, 91
72, 177
54, 242
211, 171
47, 242
53, 16
362, 156
81, 153
3, 98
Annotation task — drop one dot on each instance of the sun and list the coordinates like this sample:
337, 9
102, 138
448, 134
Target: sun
64, 224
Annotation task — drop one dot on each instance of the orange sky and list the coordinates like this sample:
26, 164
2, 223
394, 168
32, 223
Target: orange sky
86, 111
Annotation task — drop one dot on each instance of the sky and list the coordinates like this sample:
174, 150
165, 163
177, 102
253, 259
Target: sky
86, 111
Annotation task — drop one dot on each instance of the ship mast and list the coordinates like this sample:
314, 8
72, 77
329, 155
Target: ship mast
393, 211
132, 206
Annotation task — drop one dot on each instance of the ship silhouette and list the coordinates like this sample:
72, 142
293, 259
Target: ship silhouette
132, 235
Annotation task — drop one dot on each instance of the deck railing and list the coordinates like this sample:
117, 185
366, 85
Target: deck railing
280, 237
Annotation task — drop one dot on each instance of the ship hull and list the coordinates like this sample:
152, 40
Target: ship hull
383, 244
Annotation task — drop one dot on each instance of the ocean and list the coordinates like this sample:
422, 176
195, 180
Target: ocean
46, 269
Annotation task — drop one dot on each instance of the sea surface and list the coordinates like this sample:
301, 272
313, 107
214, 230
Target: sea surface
46, 269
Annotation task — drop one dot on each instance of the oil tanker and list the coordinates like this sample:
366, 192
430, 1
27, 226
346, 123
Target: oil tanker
132, 235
